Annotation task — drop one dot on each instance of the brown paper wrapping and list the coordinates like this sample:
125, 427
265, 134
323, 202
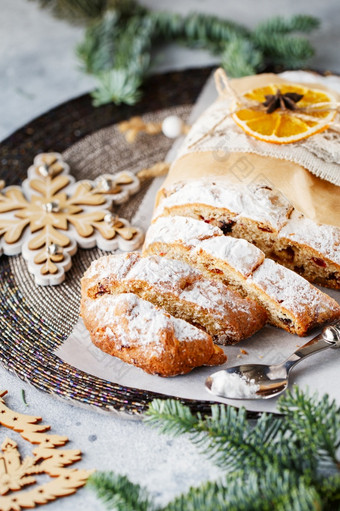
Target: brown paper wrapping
317, 198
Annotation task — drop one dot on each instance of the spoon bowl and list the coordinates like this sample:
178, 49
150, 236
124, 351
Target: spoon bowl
255, 381
268, 387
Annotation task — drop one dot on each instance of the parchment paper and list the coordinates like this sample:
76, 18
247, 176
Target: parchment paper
320, 372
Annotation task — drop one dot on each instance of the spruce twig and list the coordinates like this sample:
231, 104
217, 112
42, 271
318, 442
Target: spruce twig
85, 11
287, 463
118, 493
118, 86
97, 50
280, 50
266, 491
229, 439
241, 57
280, 25
121, 34
316, 422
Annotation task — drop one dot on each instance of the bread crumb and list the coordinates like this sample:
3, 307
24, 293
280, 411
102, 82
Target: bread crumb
244, 352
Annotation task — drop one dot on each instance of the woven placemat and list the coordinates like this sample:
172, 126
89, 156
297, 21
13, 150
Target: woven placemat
36, 320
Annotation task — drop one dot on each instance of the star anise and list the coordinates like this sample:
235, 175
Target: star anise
285, 101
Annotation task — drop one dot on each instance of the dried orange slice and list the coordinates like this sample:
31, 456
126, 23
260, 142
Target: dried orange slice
284, 126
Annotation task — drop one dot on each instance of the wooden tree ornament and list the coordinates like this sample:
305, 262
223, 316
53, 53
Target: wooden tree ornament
51, 214
16, 474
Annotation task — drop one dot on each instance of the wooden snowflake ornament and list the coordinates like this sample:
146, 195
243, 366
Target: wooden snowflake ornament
51, 215
17, 474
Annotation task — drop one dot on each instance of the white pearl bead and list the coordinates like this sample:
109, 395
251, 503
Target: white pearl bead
172, 126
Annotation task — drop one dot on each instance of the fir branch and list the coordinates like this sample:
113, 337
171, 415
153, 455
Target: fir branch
120, 40
133, 45
172, 417
280, 25
85, 11
121, 63
167, 27
315, 422
329, 488
226, 436
118, 86
254, 491
233, 444
23, 397
210, 32
75, 10
97, 51
241, 58
289, 52
276, 464
195, 30
119, 494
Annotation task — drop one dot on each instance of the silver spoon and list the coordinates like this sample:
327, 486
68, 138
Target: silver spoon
267, 381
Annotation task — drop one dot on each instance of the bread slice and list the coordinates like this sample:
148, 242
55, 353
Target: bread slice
254, 209
310, 249
265, 218
180, 290
141, 334
291, 302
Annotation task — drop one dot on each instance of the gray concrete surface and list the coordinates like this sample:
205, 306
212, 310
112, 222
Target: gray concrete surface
38, 71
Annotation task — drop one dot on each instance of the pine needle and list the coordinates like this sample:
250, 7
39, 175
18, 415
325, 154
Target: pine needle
118, 493
23, 397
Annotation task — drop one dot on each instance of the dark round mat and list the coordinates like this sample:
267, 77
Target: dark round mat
36, 320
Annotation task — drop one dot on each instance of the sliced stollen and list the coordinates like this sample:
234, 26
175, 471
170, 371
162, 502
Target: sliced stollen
310, 249
184, 238
292, 303
255, 209
141, 334
180, 290
263, 217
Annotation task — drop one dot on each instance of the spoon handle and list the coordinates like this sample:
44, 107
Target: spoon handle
329, 338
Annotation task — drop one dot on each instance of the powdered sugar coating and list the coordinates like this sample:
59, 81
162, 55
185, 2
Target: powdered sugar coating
291, 291
255, 202
238, 253
108, 265
168, 275
144, 321
179, 228
281, 289
325, 239
187, 284
200, 236
183, 292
